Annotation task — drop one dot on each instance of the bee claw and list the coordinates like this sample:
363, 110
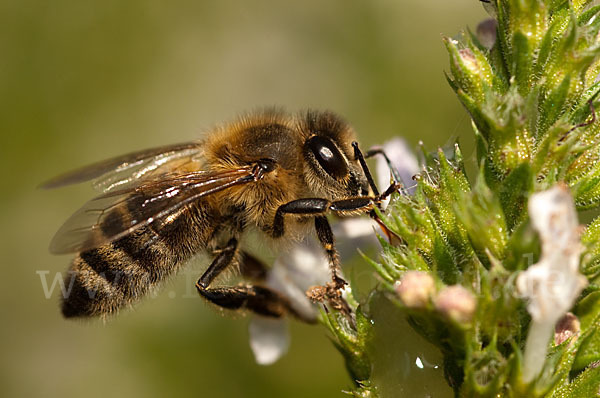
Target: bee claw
339, 282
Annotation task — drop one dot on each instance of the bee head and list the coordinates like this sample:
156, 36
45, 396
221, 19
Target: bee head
331, 170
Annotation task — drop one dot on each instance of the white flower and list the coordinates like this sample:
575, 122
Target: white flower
269, 339
403, 161
553, 284
306, 265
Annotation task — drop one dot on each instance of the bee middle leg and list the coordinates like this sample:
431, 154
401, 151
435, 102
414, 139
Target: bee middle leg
258, 299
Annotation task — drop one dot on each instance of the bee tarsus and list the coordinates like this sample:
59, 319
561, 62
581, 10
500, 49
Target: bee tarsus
359, 156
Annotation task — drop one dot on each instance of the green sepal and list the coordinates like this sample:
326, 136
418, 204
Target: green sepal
485, 372
579, 5
445, 261
523, 248
590, 263
545, 54
513, 193
586, 190
501, 77
585, 16
470, 69
583, 110
588, 343
554, 104
522, 60
482, 217
352, 341
476, 113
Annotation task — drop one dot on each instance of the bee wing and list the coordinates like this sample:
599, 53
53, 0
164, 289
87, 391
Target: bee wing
117, 213
120, 171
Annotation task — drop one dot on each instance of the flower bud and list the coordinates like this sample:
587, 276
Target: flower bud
567, 327
456, 303
415, 289
471, 71
468, 60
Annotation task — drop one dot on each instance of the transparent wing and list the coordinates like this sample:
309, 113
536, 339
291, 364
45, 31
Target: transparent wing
120, 171
117, 213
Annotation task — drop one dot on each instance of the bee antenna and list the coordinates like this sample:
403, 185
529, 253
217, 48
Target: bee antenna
361, 159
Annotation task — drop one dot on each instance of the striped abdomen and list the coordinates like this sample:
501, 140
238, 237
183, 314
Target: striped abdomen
104, 279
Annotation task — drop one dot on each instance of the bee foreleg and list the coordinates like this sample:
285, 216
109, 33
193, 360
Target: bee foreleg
361, 159
319, 207
397, 180
300, 206
379, 151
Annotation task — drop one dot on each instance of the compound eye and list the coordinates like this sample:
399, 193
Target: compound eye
328, 156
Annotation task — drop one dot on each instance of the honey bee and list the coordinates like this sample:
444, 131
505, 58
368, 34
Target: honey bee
267, 171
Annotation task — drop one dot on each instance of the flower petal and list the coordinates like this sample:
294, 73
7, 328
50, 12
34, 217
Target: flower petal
353, 234
553, 284
269, 339
293, 272
402, 159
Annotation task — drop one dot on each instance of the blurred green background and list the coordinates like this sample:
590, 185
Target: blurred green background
85, 80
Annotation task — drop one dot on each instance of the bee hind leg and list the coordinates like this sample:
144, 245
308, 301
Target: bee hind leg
258, 299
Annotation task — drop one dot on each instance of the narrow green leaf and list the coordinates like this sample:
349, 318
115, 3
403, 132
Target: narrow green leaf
547, 46
586, 384
589, 350
481, 147
553, 106
521, 68
586, 190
